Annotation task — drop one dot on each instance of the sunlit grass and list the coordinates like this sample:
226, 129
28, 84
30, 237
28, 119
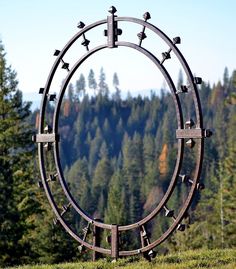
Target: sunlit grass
216, 259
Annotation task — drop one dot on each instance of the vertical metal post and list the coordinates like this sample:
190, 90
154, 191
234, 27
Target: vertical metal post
111, 31
114, 242
96, 241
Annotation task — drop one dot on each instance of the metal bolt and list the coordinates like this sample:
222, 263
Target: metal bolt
80, 25
146, 16
112, 10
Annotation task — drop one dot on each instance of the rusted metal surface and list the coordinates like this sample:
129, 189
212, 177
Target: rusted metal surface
191, 134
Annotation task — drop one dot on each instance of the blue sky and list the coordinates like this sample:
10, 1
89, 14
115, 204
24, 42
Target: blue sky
32, 29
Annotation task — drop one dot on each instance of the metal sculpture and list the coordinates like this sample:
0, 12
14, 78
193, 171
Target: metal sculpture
188, 134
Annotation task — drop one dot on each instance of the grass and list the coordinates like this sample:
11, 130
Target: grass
214, 259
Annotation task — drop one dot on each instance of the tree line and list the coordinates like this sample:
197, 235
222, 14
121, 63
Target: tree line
118, 155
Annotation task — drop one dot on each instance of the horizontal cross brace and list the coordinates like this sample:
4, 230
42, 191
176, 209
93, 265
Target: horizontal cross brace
191, 133
46, 138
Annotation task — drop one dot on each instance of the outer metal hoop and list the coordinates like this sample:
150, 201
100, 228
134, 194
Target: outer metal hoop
181, 134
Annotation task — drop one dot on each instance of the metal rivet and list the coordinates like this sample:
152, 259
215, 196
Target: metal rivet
190, 143
56, 53
146, 16
80, 25
112, 10
208, 133
166, 55
177, 40
141, 35
197, 80
41, 90
181, 227
189, 124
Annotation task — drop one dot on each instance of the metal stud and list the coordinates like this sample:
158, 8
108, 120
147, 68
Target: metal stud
168, 213
85, 42
65, 66
47, 146
145, 241
80, 25
41, 90
181, 227
197, 80
56, 52
200, 186
177, 40
118, 31
141, 35
112, 10
190, 143
189, 124
52, 178
152, 254
183, 89
208, 133
52, 97
166, 55
55, 221
65, 208
81, 248
40, 184
184, 178
85, 231
47, 129
146, 16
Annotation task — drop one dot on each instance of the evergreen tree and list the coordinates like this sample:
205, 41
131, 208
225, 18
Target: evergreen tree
226, 78
71, 93
102, 85
81, 85
117, 94
229, 185
117, 203
92, 81
15, 164
101, 179
78, 177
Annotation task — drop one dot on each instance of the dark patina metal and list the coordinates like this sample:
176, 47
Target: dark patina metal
188, 133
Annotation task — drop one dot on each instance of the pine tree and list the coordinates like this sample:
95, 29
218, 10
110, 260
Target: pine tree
102, 85
92, 81
117, 207
101, 179
15, 164
229, 185
226, 78
116, 83
81, 85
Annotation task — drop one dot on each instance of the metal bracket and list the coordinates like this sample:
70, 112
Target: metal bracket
45, 138
145, 241
112, 31
193, 133
114, 242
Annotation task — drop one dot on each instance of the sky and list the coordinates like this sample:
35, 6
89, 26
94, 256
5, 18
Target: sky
32, 29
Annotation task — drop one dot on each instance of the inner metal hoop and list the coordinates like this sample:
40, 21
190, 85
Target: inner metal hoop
180, 148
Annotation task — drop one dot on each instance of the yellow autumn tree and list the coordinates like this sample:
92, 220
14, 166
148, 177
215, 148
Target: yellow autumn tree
163, 166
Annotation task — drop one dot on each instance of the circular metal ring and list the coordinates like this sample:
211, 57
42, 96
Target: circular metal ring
180, 126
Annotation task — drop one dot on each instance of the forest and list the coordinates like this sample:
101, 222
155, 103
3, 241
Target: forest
117, 154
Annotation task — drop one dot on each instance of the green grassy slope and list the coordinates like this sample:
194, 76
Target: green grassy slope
217, 259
